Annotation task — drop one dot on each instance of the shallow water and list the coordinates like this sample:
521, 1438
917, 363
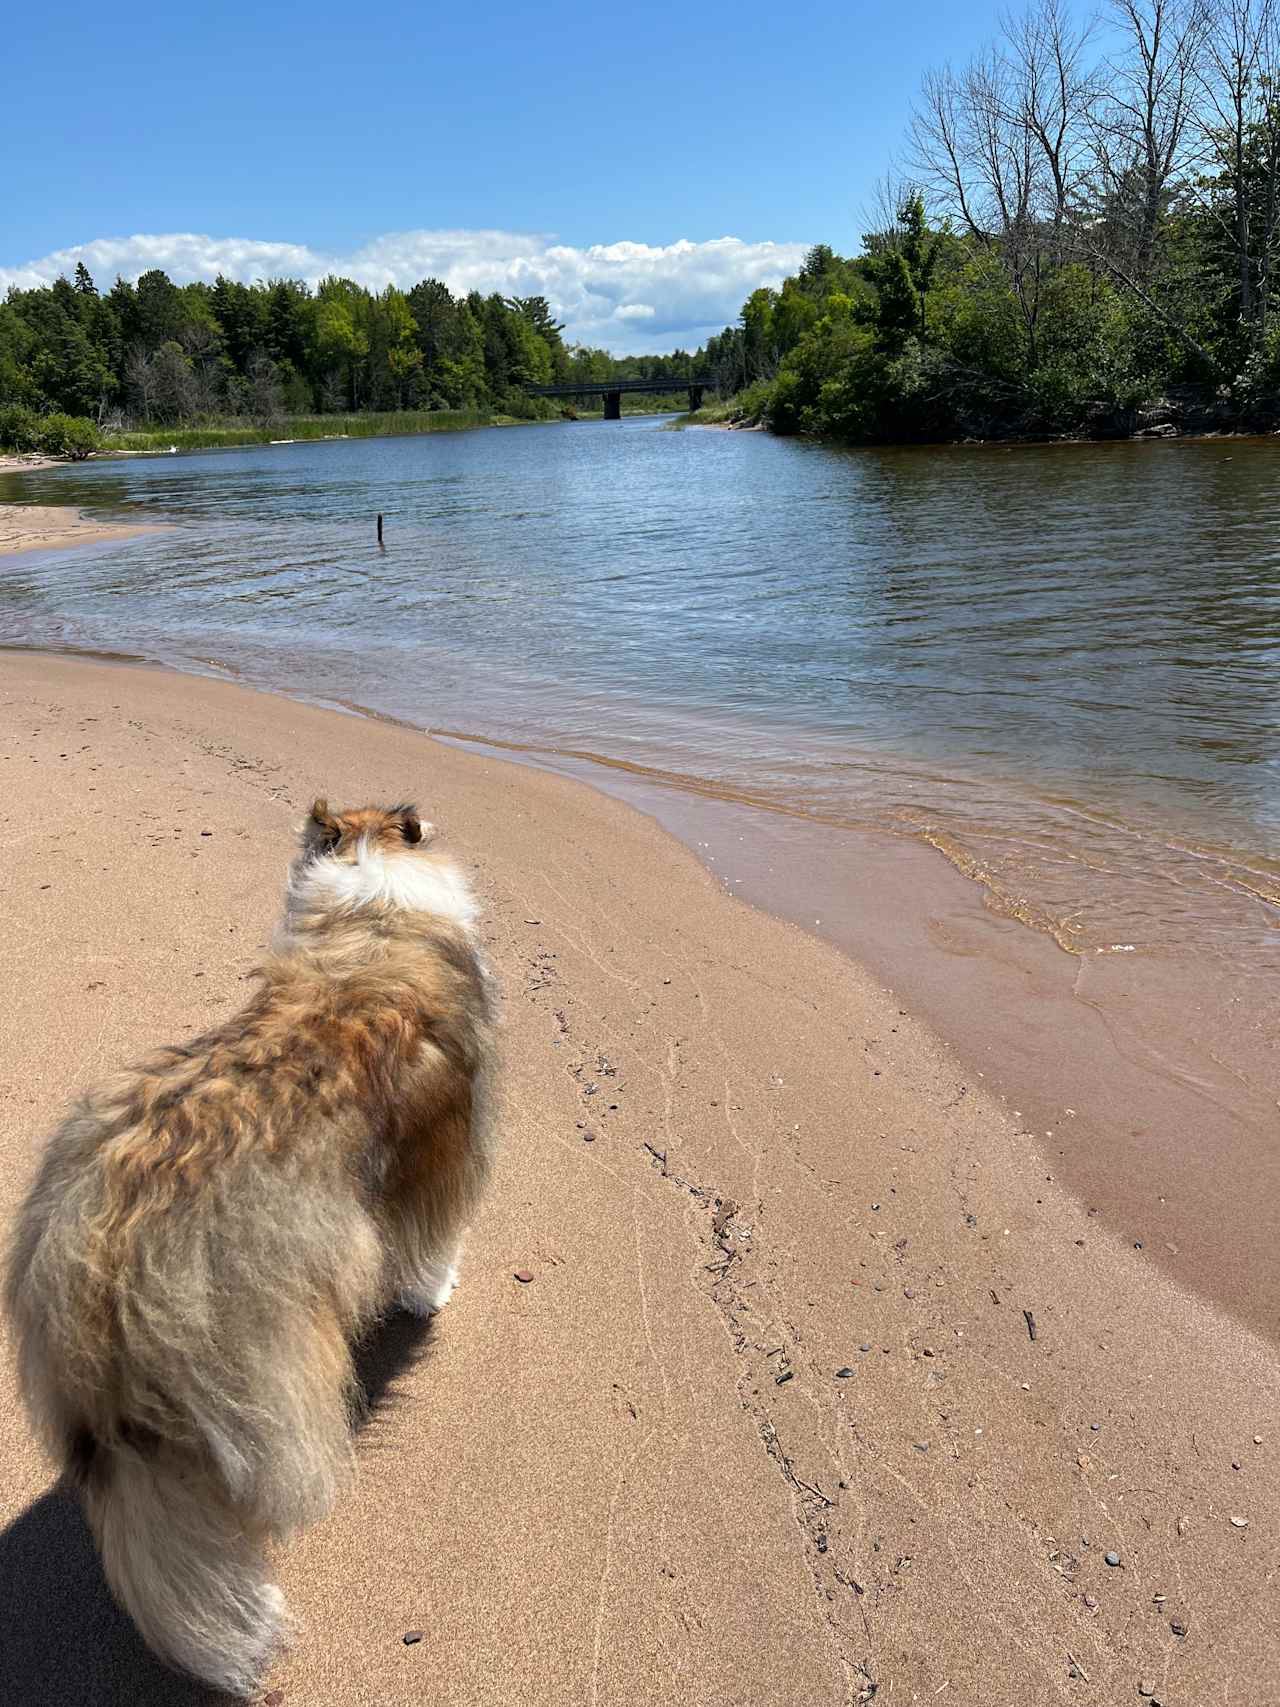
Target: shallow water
1059, 665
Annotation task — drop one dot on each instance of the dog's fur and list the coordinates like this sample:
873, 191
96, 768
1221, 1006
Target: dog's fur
209, 1234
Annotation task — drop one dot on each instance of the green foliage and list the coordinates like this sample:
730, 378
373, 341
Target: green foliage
19, 428
68, 435
930, 335
158, 356
22, 430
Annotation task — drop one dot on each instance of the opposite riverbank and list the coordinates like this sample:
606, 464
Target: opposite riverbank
294, 429
822, 1388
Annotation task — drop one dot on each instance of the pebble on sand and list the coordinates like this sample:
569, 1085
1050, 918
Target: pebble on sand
1239, 1523
843, 1374
411, 1636
524, 1276
1113, 1559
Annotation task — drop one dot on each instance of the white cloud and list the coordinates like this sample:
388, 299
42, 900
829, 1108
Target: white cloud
626, 296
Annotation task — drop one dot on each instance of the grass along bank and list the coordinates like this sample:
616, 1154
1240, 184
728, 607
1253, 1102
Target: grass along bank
745, 409
40, 438
293, 427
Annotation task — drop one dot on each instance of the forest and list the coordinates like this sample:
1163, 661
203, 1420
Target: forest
75, 360
1082, 238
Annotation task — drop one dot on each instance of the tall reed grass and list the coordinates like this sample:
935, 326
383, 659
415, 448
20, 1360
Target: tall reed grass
239, 432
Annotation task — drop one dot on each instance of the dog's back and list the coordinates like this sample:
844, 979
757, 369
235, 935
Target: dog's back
208, 1234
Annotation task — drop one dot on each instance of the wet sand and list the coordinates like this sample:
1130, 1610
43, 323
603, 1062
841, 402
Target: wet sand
47, 527
1148, 1078
667, 1470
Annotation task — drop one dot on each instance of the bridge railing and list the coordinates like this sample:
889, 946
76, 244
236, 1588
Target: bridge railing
598, 388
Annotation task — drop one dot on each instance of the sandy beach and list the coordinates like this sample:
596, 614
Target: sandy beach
46, 527
27, 462
824, 1389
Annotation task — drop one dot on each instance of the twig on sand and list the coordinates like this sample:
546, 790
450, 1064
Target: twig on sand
773, 1447
1076, 1663
1031, 1326
659, 1156
810, 1488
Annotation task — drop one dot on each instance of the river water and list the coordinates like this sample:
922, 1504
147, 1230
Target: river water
1057, 666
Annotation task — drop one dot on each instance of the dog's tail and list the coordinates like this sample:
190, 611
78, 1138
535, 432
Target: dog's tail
182, 1564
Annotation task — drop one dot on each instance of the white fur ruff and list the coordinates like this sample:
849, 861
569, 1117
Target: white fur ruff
415, 882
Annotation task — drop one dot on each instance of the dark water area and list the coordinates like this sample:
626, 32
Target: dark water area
1059, 665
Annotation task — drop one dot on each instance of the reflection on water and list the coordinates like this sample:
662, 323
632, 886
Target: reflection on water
1059, 665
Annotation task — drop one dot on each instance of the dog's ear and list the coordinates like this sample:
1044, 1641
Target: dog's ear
322, 831
411, 825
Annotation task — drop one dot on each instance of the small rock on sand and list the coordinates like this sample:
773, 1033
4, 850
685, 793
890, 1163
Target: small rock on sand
524, 1276
412, 1636
1239, 1523
1113, 1559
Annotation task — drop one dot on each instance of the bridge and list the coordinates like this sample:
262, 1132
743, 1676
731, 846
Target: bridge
612, 391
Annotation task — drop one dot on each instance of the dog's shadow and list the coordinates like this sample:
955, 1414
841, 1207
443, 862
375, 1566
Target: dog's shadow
63, 1640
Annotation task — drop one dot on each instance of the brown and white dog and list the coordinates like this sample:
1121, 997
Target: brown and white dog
210, 1233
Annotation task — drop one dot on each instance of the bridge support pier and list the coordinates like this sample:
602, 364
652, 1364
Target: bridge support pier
695, 397
613, 405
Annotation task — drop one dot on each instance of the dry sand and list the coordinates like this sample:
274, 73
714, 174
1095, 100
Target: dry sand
47, 527
643, 1477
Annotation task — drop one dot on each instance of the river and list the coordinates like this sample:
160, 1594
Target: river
1056, 667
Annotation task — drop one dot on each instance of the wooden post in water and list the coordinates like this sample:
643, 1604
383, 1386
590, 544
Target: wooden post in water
379, 530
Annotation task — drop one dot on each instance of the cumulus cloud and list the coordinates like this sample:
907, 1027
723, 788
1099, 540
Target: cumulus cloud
627, 296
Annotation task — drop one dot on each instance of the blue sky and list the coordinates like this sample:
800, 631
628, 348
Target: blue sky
365, 133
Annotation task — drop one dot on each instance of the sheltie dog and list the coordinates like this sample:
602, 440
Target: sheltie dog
209, 1234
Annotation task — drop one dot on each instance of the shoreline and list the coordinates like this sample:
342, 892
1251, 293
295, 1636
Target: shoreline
50, 527
29, 462
1140, 435
1146, 1087
259, 439
805, 1274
